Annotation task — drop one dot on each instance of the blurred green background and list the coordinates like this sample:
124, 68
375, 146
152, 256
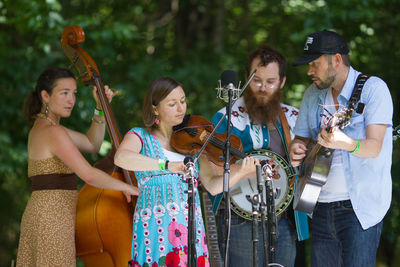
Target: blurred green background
193, 41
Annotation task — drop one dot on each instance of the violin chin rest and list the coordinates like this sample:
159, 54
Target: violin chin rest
183, 124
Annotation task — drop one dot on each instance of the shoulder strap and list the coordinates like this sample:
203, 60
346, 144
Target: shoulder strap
285, 127
356, 94
288, 139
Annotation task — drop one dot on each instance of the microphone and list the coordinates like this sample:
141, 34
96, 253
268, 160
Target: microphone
228, 82
189, 165
267, 171
266, 168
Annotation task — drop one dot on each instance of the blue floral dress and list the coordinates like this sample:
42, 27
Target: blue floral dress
160, 232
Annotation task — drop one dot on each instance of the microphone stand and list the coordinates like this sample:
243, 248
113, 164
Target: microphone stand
257, 204
270, 213
191, 192
263, 205
226, 154
226, 177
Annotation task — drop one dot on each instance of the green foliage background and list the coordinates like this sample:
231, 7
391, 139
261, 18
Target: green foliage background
193, 41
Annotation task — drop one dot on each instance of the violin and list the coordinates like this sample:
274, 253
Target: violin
103, 233
189, 137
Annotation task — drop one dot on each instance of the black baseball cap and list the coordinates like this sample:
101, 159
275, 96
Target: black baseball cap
319, 43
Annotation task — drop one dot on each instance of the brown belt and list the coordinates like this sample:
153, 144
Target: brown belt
53, 182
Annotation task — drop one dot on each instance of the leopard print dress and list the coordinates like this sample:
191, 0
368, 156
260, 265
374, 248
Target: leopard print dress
48, 224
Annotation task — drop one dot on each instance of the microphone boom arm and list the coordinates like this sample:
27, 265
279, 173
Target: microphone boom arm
222, 118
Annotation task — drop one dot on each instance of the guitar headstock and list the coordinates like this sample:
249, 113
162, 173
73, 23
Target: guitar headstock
339, 119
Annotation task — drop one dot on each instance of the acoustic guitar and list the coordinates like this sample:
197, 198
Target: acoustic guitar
316, 165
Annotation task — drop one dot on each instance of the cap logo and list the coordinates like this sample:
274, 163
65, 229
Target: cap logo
308, 42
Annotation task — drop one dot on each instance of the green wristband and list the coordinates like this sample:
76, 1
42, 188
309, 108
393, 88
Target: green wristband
161, 164
98, 112
357, 148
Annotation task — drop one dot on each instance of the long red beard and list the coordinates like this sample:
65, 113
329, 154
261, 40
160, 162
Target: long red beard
259, 112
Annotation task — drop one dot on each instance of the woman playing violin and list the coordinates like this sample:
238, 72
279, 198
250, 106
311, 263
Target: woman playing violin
54, 156
161, 215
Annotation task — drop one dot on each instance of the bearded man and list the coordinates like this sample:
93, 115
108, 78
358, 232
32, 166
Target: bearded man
262, 122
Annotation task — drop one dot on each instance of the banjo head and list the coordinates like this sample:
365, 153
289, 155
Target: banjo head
282, 174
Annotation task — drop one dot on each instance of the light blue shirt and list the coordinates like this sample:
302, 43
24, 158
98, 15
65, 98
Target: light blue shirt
368, 179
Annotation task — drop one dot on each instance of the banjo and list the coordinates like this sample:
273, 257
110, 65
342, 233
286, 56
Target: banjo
283, 172
283, 178
282, 181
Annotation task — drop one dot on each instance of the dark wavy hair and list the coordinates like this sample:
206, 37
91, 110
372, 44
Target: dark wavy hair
267, 54
47, 81
155, 93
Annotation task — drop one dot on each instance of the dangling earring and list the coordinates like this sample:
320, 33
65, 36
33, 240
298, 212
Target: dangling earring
47, 111
157, 121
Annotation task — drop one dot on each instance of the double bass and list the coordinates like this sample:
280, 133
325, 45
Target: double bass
103, 234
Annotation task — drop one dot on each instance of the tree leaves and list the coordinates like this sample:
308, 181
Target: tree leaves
134, 42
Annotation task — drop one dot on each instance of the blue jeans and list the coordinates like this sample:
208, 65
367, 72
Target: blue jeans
241, 243
337, 238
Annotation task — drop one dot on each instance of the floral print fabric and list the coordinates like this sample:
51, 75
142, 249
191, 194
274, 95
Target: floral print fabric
160, 232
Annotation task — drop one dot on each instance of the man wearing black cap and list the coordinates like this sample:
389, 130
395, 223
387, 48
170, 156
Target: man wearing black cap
347, 219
